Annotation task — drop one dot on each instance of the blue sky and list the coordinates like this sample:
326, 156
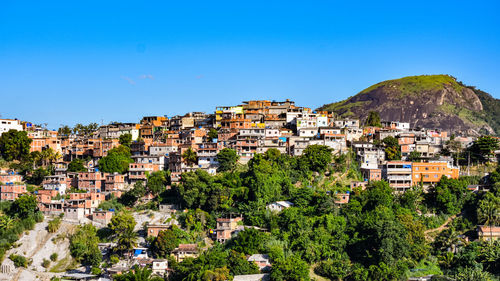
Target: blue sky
64, 62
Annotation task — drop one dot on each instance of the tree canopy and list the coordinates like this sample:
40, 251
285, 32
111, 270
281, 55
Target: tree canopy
14, 145
117, 160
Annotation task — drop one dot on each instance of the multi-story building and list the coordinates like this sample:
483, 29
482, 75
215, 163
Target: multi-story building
247, 142
368, 155
226, 227
207, 157
139, 171
160, 161
10, 124
114, 182
428, 173
398, 174
11, 191
10, 176
101, 147
163, 149
115, 130
57, 183
91, 181
372, 174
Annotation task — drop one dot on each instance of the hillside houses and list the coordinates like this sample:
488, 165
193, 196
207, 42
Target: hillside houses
159, 143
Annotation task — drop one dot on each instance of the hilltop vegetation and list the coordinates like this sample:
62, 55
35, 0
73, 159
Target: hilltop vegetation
429, 101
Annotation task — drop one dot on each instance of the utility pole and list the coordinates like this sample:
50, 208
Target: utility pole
468, 163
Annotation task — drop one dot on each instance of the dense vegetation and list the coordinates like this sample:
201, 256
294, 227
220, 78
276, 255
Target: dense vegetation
378, 235
15, 218
116, 161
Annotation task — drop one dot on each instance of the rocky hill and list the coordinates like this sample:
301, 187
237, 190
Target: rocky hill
426, 101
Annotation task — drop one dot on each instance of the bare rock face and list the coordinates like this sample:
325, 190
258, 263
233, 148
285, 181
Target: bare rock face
430, 101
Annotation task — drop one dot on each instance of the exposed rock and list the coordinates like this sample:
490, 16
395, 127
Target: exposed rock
428, 101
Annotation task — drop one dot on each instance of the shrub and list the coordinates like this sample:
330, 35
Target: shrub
54, 225
53, 257
46, 263
114, 259
39, 217
19, 261
96, 270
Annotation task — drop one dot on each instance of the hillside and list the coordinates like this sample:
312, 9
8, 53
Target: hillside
427, 101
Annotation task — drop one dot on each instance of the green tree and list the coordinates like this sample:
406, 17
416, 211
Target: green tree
125, 139
291, 269
121, 222
414, 156
488, 211
126, 240
482, 148
83, 245
473, 274
392, 148
198, 189
14, 145
248, 241
64, 130
189, 157
165, 242
227, 159
157, 182
77, 165
448, 195
373, 119
317, 157
117, 160
336, 268
131, 196
137, 274
238, 264
24, 206
38, 175
212, 134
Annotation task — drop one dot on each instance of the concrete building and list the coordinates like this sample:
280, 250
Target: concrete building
102, 217
398, 174
226, 227
184, 251
154, 229
10, 124
428, 173
11, 191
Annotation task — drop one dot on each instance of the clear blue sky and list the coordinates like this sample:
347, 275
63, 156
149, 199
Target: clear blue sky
64, 62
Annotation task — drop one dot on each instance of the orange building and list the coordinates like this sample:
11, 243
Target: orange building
38, 144
11, 191
431, 172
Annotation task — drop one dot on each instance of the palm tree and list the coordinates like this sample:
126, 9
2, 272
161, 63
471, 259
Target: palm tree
5, 222
127, 240
189, 156
489, 211
136, 274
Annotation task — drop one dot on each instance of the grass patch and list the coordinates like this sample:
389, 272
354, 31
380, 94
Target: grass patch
64, 264
416, 84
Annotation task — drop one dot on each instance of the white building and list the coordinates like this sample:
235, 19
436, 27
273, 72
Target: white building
10, 124
279, 206
160, 266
